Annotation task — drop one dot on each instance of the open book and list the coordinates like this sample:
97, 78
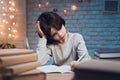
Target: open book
55, 69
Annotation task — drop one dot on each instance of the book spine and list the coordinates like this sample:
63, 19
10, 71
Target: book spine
40, 76
10, 52
13, 60
24, 67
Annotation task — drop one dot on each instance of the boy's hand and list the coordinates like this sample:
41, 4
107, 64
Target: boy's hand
73, 63
40, 32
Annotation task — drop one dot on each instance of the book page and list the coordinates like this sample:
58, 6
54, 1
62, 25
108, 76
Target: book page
54, 69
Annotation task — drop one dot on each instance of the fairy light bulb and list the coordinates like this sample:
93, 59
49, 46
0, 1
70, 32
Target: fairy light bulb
11, 16
13, 4
9, 35
9, 29
47, 4
11, 9
1, 2
3, 7
73, 7
14, 31
4, 14
13, 23
65, 12
3, 20
1, 33
40, 6
10, 2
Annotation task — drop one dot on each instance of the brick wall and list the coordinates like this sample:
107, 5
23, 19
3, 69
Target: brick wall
99, 30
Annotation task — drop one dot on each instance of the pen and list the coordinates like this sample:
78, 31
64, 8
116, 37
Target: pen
80, 58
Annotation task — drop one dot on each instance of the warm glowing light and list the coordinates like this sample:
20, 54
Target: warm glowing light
12, 9
73, 7
3, 7
14, 31
8, 18
11, 16
47, 4
1, 2
3, 20
40, 6
1, 33
9, 35
65, 12
12, 3
9, 28
13, 23
3, 14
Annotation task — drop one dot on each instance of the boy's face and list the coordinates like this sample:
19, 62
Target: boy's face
59, 35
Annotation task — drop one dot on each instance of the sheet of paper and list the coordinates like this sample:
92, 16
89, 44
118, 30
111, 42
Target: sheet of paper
54, 69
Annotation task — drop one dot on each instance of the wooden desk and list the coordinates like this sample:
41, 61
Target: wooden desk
60, 76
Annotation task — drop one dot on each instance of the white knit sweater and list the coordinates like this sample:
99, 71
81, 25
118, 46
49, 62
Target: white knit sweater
63, 54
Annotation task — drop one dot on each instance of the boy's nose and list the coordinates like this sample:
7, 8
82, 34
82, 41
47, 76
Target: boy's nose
60, 33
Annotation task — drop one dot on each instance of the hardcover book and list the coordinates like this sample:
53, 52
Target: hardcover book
9, 52
97, 70
22, 63
107, 53
30, 75
24, 67
14, 60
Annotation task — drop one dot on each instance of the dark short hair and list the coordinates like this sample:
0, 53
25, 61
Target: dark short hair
50, 20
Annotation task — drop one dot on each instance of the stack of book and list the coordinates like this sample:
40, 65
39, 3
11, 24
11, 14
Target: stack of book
22, 63
107, 53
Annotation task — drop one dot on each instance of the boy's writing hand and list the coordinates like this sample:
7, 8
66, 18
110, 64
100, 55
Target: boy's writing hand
73, 63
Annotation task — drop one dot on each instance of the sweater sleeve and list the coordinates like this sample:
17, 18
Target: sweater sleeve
42, 51
81, 48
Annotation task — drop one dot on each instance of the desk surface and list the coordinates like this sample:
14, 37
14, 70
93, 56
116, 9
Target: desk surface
60, 76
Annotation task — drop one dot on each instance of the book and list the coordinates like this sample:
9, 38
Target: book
107, 53
24, 67
30, 75
5, 74
97, 70
54, 69
13, 60
8, 52
1, 64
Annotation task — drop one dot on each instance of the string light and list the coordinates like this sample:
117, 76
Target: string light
11, 16
3, 14
8, 19
47, 4
9, 29
1, 2
13, 23
3, 7
65, 12
10, 35
40, 6
74, 8
1, 33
